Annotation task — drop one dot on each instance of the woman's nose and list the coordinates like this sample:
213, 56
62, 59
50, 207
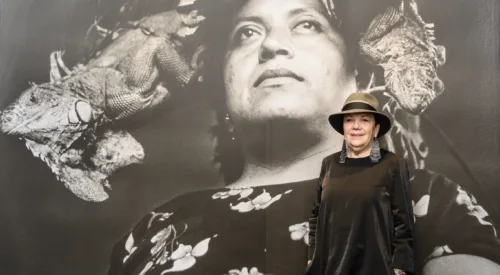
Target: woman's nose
276, 43
356, 124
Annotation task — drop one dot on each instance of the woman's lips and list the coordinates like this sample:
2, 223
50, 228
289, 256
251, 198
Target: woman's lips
277, 76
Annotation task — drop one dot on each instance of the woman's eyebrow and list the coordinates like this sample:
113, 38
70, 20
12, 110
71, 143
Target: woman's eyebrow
250, 18
299, 11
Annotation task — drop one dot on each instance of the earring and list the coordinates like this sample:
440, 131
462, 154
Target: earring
229, 125
375, 152
343, 153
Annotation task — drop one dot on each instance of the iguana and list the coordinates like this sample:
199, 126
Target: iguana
60, 124
148, 54
128, 76
60, 119
85, 172
400, 42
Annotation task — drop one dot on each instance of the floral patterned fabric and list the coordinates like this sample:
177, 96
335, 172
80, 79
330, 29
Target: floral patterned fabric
264, 230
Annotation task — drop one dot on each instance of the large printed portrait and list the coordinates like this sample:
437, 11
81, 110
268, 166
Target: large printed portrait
161, 136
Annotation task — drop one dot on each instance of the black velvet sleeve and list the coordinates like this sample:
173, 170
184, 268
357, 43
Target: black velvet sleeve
401, 205
313, 219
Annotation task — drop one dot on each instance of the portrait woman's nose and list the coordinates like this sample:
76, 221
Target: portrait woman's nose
276, 43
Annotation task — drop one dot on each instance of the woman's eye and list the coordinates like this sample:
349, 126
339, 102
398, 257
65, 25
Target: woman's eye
245, 33
308, 26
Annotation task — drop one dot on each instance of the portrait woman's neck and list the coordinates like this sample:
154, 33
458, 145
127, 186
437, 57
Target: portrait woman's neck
284, 150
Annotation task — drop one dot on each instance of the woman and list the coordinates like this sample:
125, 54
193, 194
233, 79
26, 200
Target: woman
283, 73
362, 221
285, 67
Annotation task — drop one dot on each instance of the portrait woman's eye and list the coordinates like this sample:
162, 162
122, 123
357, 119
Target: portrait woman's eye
245, 34
308, 26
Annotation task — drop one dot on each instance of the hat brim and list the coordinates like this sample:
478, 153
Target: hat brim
337, 120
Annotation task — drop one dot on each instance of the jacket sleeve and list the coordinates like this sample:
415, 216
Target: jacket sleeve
313, 219
401, 206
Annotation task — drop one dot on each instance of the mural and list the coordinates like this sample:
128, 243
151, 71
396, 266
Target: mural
177, 136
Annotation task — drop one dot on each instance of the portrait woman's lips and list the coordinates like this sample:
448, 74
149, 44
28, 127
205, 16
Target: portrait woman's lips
276, 77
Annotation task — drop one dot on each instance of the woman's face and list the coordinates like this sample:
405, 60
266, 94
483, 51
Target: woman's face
359, 131
284, 60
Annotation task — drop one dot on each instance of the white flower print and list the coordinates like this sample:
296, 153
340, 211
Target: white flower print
129, 247
300, 231
440, 251
160, 239
166, 250
185, 256
421, 208
262, 201
130, 243
243, 192
463, 198
244, 271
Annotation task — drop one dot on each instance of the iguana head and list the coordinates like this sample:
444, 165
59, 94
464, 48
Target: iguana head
85, 171
47, 114
402, 44
116, 149
88, 179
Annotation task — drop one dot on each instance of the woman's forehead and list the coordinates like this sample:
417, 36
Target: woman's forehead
359, 115
262, 9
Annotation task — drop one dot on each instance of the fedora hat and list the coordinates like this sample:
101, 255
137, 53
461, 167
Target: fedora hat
361, 103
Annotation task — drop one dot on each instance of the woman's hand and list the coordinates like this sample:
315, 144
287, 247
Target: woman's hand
399, 272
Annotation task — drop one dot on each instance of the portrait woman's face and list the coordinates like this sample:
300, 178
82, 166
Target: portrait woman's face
284, 60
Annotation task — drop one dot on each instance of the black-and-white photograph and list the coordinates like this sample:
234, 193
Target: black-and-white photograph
222, 137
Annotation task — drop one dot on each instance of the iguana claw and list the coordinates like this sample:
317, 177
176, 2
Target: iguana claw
56, 63
60, 62
55, 74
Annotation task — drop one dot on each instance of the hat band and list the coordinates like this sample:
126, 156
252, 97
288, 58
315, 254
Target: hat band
358, 105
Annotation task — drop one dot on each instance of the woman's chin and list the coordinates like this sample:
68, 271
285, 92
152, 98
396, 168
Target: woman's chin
357, 145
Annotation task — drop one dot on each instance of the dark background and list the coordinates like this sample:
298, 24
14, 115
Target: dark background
45, 229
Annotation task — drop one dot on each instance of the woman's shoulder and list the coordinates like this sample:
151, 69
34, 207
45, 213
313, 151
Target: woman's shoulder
332, 157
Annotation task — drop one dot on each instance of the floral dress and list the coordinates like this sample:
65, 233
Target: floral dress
228, 231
